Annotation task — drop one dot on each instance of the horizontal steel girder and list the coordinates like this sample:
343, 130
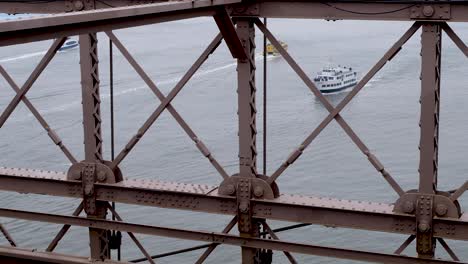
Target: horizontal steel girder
221, 238
63, 25
20, 256
107, 19
204, 198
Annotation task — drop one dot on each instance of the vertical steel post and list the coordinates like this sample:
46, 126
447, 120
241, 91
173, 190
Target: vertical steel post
429, 127
247, 135
92, 140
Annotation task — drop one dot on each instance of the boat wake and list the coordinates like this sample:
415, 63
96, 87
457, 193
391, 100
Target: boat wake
199, 74
24, 56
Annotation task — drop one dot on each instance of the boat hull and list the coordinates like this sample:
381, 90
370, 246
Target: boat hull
64, 48
325, 91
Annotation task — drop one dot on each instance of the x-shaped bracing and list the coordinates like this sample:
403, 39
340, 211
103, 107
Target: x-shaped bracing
21, 96
166, 102
334, 112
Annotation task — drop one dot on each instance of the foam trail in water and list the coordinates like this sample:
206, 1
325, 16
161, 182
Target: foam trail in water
24, 56
134, 89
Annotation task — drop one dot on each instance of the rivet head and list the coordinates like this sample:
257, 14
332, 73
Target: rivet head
423, 227
441, 210
428, 11
78, 5
230, 189
101, 176
258, 191
244, 207
76, 175
408, 207
88, 189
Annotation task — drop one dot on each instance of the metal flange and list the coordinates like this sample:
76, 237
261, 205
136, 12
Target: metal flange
104, 174
442, 205
260, 187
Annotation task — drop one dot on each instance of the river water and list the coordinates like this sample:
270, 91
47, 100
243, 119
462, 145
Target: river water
385, 115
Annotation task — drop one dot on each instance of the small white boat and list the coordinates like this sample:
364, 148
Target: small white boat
69, 44
335, 79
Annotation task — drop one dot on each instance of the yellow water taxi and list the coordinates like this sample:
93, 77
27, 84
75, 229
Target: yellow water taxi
271, 50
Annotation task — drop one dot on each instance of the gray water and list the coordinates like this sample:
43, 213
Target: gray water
385, 115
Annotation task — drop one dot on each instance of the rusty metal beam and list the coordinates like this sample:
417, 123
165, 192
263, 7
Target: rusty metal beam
166, 102
91, 101
202, 198
63, 25
330, 108
226, 26
31, 79
53, 244
11, 255
132, 236
213, 246
214, 237
455, 38
362, 10
52, 134
7, 236
183, 124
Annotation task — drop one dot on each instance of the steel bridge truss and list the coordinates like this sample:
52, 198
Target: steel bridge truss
426, 214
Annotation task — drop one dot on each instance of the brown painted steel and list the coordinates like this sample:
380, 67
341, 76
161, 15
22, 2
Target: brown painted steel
11, 255
202, 198
52, 134
214, 237
426, 222
132, 236
30, 81
91, 101
166, 102
63, 25
53, 244
199, 143
298, 152
246, 94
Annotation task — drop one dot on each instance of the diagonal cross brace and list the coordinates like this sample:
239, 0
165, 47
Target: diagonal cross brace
448, 249
455, 38
32, 78
52, 134
63, 230
275, 237
227, 29
459, 192
149, 122
334, 112
201, 146
213, 246
7, 236
132, 236
405, 244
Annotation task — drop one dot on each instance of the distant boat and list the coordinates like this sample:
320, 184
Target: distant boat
271, 50
335, 79
69, 44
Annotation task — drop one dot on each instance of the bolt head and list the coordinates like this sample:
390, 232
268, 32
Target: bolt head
428, 11
408, 207
423, 227
258, 191
441, 210
101, 176
88, 189
79, 5
76, 175
243, 207
230, 189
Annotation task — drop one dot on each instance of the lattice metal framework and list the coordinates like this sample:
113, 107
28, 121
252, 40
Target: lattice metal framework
426, 214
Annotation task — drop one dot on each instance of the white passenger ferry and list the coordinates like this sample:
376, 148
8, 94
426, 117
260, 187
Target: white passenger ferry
335, 79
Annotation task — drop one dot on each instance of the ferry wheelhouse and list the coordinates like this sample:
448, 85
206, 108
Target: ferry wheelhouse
335, 79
